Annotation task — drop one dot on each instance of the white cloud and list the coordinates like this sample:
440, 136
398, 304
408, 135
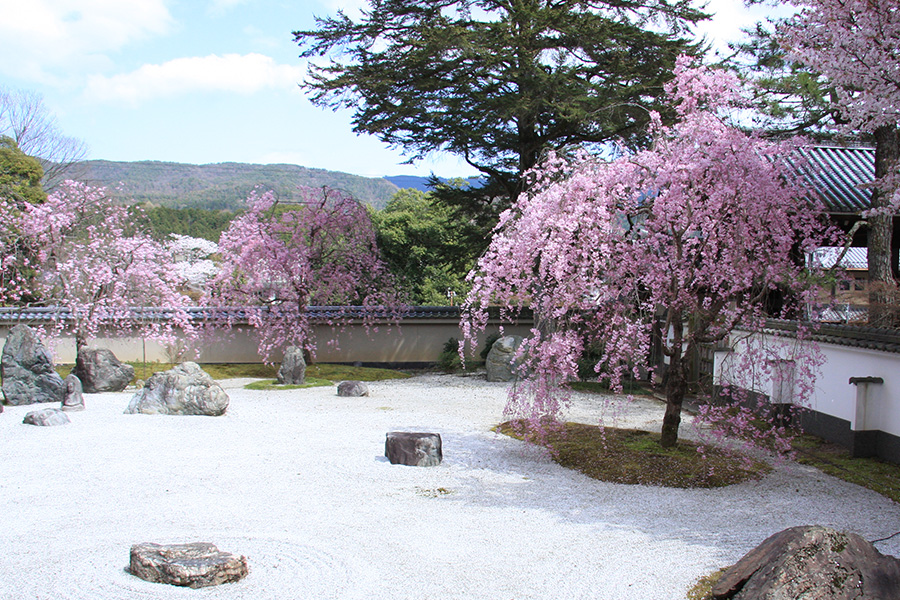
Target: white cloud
236, 73
731, 16
40, 36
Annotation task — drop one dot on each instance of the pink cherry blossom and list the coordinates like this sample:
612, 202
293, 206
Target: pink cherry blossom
855, 44
279, 258
694, 232
93, 260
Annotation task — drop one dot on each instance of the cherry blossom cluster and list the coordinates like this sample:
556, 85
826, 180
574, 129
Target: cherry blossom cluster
278, 258
193, 259
856, 45
693, 234
91, 258
16, 256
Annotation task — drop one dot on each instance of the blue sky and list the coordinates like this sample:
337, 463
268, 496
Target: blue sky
205, 81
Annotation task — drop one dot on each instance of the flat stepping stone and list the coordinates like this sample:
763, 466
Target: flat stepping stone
47, 417
194, 565
413, 449
352, 389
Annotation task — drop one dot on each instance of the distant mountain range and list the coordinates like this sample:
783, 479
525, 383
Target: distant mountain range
227, 185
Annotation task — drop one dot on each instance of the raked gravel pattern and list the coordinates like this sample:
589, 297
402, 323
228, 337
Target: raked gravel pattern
297, 481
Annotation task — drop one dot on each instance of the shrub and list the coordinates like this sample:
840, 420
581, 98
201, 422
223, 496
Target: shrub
449, 360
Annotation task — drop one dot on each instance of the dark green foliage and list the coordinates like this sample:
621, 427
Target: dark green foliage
499, 83
20, 184
20, 174
590, 357
488, 343
223, 186
193, 222
449, 360
425, 246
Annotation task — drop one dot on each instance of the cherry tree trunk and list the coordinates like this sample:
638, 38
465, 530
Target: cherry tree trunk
81, 342
676, 386
882, 287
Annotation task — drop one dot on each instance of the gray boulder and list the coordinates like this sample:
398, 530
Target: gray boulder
100, 371
501, 364
813, 563
194, 565
27, 370
47, 417
183, 390
413, 449
352, 389
293, 367
73, 400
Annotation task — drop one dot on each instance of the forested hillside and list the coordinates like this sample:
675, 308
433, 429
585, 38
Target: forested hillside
193, 222
222, 185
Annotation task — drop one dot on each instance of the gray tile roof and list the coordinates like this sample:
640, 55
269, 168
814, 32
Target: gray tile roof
835, 174
872, 338
854, 258
14, 315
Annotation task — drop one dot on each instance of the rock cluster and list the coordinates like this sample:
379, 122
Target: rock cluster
813, 563
100, 371
194, 565
183, 390
27, 370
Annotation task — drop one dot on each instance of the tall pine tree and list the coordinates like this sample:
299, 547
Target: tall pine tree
499, 82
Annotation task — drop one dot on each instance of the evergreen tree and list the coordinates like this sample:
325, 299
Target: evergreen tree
425, 245
20, 174
499, 82
789, 97
20, 187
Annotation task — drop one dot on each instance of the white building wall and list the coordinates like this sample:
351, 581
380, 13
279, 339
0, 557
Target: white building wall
866, 406
415, 341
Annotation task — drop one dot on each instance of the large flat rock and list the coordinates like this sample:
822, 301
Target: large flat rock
812, 563
414, 449
194, 565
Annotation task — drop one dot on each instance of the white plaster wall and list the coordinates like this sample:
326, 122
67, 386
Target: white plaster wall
413, 342
878, 408
836, 396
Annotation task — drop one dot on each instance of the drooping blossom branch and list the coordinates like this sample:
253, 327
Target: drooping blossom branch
279, 258
94, 260
696, 233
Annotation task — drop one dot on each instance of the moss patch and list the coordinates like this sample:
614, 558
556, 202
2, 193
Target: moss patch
262, 371
702, 590
271, 385
351, 373
635, 457
871, 473
595, 387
